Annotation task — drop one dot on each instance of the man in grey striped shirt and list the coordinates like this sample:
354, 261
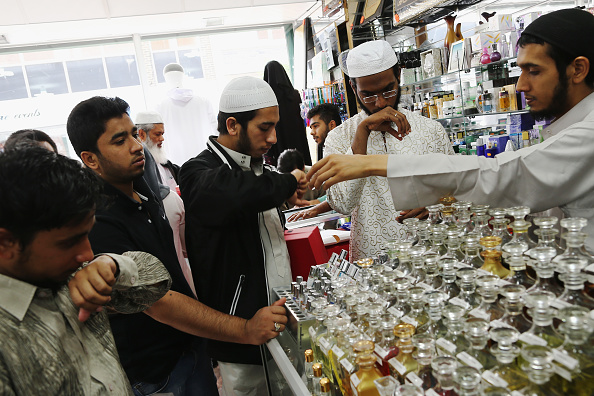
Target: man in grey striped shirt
55, 336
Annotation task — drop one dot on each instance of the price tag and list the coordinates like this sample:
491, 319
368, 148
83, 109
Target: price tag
565, 359
414, 379
502, 282
355, 381
324, 345
494, 379
460, 265
481, 272
424, 286
532, 339
396, 312
337, 351
312, 334
560, 304
447, 345
468, 360
381, 352
399, 274
382, 302
562, 372
348, 366
409, 320
477, 313
459, 302
517, 393
399, 367
497, 323
431, 392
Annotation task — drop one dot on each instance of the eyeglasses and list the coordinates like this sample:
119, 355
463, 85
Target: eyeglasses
385, 95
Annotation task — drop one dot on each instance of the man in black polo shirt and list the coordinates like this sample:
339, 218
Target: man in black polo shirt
159, 351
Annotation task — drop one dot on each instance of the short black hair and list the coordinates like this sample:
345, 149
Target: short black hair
86, 122
28, 138
289, 160
327, 112
242, 119
41, 190
561, 58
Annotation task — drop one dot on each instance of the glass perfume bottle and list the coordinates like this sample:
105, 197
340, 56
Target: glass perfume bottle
417, 315
411, 230
462, 214
573, 280
448, 270
443, 369
575, 224
546, 233
362, 379
453, 244
423, 375
472, 249
325, 387
408, 390
423, 233
453, 342
492, 254
317, 376
480, 219
485, 57
348, 364
432, 277
499, 223
521, 226
386, 385
542, 331
402, 306
308, 370
434, 214
517, 264
318, 328
506, 373
488, 289
386, 349
434, 304
545, 271
404, 362
417, 260
467, 381
404, 264
476, 332
495, 54
468, 298
438, 234
326, 341
537, 363
514, 308
339, 349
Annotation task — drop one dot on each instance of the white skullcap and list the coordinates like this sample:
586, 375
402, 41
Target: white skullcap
367, 59
148, 117
245, 94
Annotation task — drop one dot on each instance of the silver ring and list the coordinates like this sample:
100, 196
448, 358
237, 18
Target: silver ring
276, 327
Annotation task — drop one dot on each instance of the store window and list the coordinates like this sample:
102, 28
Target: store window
122, 71
191, 61
161, 60
47, 78
86, 75
12, 83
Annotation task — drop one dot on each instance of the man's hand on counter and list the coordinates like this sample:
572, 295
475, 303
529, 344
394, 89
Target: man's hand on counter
419, 213
260, 328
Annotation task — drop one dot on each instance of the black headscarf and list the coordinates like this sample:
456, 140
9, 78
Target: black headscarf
290, 130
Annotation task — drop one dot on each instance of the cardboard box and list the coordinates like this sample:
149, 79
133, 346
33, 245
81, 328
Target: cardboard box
482, 40
524, 20
501, 22
306, 248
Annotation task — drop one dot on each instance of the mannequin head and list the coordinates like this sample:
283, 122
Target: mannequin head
174, 75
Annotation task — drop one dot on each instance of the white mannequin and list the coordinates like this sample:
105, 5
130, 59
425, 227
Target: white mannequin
189, 118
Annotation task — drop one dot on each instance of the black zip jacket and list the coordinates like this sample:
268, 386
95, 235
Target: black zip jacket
223, 242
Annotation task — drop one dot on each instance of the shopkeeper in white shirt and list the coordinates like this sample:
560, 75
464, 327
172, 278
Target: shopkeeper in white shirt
555, 54
374, 71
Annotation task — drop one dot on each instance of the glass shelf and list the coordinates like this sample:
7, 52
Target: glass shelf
482, 115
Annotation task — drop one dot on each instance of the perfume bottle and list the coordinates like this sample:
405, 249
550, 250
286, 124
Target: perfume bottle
404, 362
308, 370
432, 277
476, 332
492, 255
514, 309
423, 376
488, 289
462, 214
519, 225
468, 299
545, 271
411, 230
418, 273
495, 54
506, 373
448, 270
386, 385
573, 280
362, 379
434, 326
423, 233
472, 250
386, 349
438, 234
546, 233
348, 364
537, 363
542, 331
443, 369
499, 224
453, 342
417, 315
453, 244
485, 57
434, 213
480, 219
517, 264
467, 381
338, 351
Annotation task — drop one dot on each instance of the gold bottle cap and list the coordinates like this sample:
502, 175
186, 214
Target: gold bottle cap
363, 346
317, 369
325, 384
490, 241
404, 330
308, 355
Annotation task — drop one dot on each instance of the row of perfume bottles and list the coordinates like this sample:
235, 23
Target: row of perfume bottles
366, 342
384, 291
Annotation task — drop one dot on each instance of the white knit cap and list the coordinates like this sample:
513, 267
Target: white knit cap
367, 59
245, 94
148, 117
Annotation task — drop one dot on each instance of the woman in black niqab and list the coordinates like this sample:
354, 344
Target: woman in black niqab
290, 130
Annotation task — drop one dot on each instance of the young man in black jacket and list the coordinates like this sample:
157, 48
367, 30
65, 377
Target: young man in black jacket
234, 231
159, 349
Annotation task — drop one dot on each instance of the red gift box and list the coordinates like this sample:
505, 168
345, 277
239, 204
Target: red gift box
306, 249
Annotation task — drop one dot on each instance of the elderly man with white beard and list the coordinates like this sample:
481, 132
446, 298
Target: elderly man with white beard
151, 132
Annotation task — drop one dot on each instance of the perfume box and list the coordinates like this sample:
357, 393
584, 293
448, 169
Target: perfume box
306, 248
501, 22
482, 40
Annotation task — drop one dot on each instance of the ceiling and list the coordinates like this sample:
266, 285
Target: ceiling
35, 22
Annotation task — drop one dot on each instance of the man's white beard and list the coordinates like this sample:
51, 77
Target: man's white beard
158, 152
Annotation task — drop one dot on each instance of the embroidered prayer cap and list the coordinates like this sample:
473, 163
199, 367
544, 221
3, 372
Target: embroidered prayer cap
245, 94
367, 59
148, 117
570, 30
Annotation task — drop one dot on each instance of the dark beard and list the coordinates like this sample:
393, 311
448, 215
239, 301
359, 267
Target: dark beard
366, 110
244, 146
559, 104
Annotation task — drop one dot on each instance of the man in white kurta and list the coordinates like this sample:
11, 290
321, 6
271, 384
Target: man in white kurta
556, 172
368, 200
